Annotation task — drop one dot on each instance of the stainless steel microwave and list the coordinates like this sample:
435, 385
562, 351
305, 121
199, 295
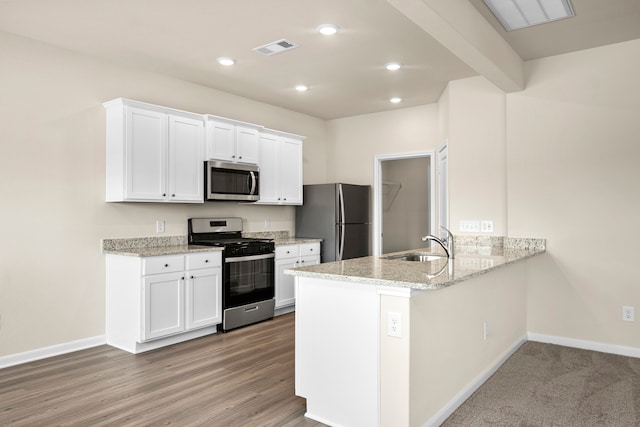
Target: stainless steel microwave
231, 181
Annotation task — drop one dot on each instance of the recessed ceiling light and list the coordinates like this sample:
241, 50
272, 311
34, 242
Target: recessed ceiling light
393, 66
302, 88
395, 100
328, 29
516, 14
223, 60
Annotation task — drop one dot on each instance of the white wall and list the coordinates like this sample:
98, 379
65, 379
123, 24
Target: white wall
52, 178
448, 349
355, 141
573, 145
475, 129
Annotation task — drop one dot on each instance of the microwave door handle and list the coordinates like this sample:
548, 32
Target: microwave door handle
252, 186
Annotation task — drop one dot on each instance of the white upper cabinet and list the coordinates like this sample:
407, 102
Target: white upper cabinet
186, 141
157, 154
291, 188
145, 142
280, 169
232, 142
154, 154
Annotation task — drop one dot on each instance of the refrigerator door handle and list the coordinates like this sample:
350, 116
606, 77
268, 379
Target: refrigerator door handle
341, 219
341, 232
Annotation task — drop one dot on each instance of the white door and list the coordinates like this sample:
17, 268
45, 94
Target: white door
221, 144
285, 284
186, 140
247, 149
269, 168
291, 170
204, 298
163, 311
146, 162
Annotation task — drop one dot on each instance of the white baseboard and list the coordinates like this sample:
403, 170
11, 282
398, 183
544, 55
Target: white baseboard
585, 345
54, 350
448, 409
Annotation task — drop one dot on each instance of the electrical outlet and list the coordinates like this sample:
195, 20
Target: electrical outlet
394, 324
160, 226
628, 313
486, 226
485, 330
267, 223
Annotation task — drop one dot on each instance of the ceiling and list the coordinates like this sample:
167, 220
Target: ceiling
345, 72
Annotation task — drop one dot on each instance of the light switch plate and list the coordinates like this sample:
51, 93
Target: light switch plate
470, 226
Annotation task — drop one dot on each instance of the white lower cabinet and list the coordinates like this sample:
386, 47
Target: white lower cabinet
292, 256
199, 294
163, 310
157, 301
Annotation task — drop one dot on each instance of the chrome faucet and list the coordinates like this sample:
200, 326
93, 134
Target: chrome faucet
446, 243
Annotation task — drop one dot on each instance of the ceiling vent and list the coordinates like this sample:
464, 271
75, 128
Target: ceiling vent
276, 47
516, 14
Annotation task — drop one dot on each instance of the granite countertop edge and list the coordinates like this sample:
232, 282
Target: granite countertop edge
176, 245
409, 274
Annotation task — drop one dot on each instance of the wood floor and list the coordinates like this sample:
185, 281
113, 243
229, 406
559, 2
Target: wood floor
242, 378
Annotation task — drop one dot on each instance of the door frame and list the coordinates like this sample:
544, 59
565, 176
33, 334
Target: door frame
443, 186
377, 193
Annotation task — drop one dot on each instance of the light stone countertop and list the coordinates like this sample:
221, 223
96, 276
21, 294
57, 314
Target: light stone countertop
177, 245
162, 250
296, 241
470, 261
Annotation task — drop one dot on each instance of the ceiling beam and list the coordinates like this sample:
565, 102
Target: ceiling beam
459, 27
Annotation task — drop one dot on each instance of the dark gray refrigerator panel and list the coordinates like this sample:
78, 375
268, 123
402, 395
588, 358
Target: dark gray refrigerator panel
328, 205
355, 200
355, 243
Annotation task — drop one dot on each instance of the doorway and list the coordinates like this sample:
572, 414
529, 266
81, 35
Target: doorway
404, 208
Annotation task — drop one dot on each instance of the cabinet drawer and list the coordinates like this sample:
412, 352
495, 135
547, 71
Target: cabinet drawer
162, 264
307, 249
204, 260
288, 251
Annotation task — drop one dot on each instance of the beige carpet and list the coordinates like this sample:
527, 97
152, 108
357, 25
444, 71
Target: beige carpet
550, 385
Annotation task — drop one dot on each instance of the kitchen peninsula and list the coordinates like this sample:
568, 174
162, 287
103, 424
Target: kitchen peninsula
391, 342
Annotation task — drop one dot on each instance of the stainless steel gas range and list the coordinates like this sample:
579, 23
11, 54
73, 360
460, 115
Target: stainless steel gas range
248, 285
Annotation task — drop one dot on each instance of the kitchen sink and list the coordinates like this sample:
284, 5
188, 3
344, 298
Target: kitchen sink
416, 256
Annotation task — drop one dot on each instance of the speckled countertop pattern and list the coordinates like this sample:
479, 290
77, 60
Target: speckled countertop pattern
280, 237
470, 261
176, 245
152, 246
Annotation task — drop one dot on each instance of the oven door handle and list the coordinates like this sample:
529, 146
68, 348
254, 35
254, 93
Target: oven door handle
249, 258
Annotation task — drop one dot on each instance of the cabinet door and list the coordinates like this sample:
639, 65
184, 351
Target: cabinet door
186, 140
269, 169
163, 311
285, 284
309, 260
221, 144
291, 171
247, 145
146, 155
204, 298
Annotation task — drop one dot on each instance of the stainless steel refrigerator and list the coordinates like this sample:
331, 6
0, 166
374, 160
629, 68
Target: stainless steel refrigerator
338, 214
